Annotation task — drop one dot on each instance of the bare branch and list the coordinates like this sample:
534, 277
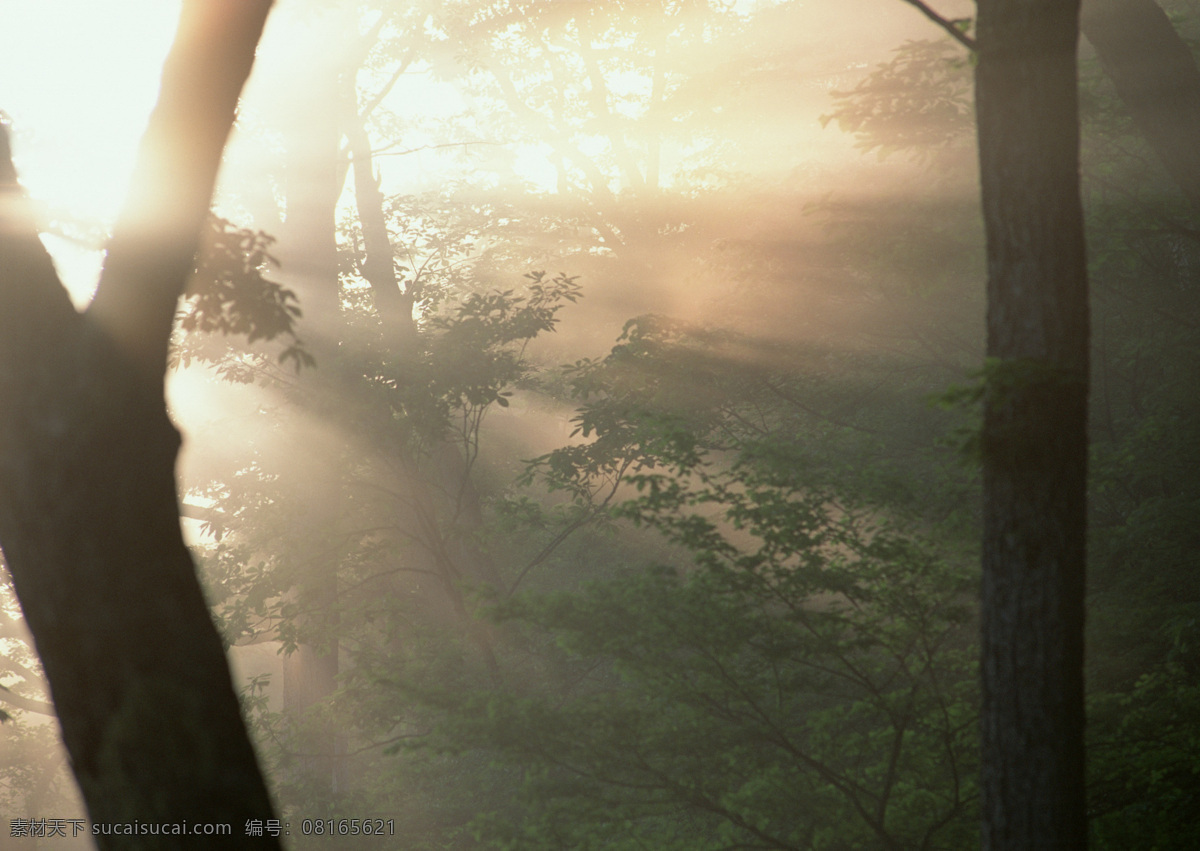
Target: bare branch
39, 707
949, 25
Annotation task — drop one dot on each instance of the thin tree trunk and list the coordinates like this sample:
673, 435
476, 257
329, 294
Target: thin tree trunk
1035, 427
457, 555
308, 257
89, 517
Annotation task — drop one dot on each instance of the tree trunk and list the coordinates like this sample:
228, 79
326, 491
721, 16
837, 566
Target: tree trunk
89, 518
308, 256
1035, 427
456, 554
1156, 77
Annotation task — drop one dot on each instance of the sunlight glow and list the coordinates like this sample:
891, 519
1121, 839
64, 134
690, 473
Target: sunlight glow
78, 79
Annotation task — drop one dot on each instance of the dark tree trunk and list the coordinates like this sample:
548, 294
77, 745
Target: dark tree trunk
89, 518
1035, 427
1156, 77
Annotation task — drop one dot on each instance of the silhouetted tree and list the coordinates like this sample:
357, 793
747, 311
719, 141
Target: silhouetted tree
1035, 426
89, 517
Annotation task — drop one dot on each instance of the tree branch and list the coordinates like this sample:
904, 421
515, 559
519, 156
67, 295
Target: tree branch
34, 306
950, 26
28, 704
150, 255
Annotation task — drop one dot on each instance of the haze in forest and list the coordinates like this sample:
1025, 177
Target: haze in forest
78, 105
634, 383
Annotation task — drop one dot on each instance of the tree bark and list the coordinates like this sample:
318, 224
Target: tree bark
1156, 77
1035, 427
89, 517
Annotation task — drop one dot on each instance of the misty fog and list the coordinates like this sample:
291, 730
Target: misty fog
581, 415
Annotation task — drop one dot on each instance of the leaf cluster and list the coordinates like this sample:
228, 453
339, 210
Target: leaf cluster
230, 293
920, 102
805, 681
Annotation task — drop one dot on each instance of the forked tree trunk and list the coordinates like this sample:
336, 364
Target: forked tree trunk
1035, 427
89, 518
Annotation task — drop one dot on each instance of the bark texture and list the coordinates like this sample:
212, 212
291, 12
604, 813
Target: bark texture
1035, 427
89, 516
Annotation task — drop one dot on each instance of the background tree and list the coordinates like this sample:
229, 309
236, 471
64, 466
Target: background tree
1155, 74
